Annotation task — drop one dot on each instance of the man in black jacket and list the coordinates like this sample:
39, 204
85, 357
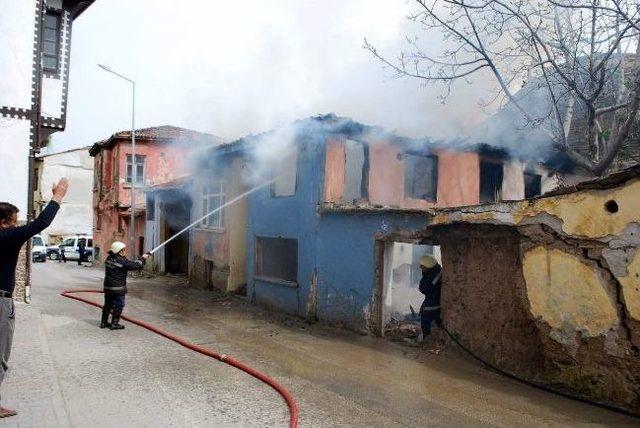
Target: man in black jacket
430, 286
115, 283
12, 238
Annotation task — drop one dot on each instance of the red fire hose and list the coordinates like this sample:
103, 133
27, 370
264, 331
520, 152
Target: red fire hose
291, 402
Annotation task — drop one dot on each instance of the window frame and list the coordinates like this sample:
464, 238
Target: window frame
58, 42
537, 178
208, 193
434, 176
272, 187
498, 164
259, 272
134, 164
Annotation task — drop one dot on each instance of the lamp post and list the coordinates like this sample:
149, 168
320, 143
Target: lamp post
132, 225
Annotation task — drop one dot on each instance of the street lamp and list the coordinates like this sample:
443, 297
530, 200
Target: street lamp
132, 226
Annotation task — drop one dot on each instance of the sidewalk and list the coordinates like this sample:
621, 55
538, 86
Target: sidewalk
31, 384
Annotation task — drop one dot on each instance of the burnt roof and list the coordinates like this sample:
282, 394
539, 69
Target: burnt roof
606, 182
160, 134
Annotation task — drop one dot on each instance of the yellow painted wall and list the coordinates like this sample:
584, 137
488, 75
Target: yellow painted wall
237, 218
565, 292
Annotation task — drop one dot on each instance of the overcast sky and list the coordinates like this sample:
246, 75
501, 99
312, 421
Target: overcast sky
233, 68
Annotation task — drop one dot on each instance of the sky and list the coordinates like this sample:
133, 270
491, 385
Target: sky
234, 68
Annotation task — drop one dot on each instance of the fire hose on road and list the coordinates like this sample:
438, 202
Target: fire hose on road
286, 395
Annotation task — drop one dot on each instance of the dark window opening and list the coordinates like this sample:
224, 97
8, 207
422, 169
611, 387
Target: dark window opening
532, 185
277, 258
151, 208
138, 167
421, 177
491, 175
140, 245
51, 42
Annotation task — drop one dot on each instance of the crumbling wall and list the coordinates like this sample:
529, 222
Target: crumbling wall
484, 297
549, 289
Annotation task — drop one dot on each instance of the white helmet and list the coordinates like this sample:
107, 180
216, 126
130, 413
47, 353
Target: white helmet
428, 261
117, 246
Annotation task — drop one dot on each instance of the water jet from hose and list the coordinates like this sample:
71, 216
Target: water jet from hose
220, 208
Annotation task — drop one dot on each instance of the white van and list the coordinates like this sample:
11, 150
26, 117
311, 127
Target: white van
70, 247
38, 249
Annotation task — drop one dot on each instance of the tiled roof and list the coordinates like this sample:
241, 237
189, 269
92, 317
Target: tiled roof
165, 133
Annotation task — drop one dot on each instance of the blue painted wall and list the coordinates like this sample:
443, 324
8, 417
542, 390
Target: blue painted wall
288, 217
346, 262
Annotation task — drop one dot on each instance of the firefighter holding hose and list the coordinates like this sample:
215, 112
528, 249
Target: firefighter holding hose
430, 286
115, 283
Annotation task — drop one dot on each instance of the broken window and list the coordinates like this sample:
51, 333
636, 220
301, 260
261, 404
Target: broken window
213, 197
491, 175
277, 258
420, 176
51, 41
286, 176
532, 185
138, 168
355, 175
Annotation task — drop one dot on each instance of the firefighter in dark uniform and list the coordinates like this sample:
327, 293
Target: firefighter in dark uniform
430, 286
115, 283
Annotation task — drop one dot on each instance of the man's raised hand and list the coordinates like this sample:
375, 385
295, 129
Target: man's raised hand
60, 190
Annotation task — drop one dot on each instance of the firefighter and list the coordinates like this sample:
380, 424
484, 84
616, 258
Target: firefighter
430, 286
115, 283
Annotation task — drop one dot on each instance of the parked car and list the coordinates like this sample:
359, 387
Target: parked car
53, 252
38, 250
70, 247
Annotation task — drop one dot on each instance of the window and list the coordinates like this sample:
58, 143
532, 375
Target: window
532, 185
286, 176
37, 241
213, 197
490, 182
151, 207
90, 243
69, 242
420, 177
355, 156
138, 168
277, 258
51, 41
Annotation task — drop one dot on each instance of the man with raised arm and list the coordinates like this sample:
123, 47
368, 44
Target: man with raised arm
12, 238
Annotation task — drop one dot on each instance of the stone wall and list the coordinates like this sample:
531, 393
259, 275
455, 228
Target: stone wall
549, 289
21, 275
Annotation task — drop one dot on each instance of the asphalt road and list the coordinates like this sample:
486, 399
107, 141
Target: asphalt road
65, 371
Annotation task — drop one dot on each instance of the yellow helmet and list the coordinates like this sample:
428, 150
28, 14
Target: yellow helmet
428, 261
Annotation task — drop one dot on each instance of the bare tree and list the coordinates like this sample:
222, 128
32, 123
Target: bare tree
582, 56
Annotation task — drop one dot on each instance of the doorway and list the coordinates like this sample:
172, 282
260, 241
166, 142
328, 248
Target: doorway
399, 299
177, 217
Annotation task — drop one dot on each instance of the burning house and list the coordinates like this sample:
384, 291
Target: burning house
348, 201
160, 158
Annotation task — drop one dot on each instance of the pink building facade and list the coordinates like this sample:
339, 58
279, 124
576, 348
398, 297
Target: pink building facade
162, 155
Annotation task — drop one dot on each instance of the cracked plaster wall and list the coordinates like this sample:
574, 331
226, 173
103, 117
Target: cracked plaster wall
575, 279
